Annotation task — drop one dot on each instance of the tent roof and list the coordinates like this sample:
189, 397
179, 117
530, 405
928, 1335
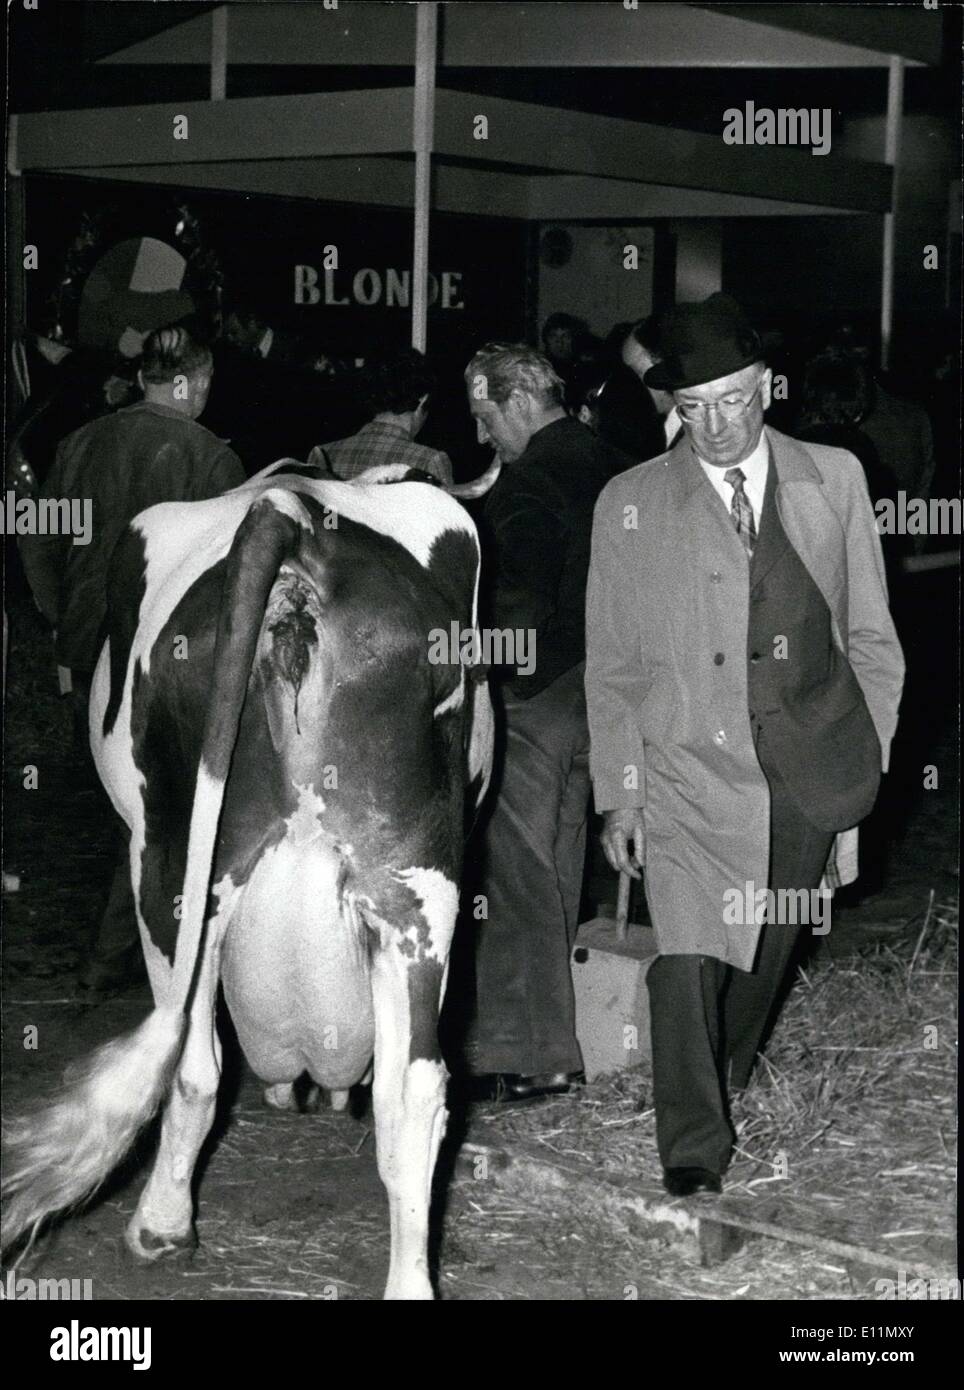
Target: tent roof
580, 34
358, 146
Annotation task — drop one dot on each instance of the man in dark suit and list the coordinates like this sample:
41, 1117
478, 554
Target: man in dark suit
641, 351
537, 524
742, 678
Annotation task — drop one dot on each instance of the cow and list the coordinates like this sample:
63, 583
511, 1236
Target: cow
294, 772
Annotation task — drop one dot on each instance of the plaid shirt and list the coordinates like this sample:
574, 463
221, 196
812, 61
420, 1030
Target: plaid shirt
379, 442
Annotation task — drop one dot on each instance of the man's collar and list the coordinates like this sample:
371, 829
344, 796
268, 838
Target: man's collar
158, 407
790, 459
390, 426
551, 424
753, 466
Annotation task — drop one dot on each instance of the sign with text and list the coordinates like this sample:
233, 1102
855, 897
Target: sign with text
370, 287
336, 274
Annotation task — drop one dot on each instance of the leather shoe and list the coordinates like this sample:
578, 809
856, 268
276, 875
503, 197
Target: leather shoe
684, 1182
516, 1087
511, 1088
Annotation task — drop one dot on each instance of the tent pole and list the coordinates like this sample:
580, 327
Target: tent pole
17, 386
219, 53
426, 25
895, 105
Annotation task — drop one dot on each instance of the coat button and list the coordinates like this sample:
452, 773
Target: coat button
719, 736
719, 659
754, 657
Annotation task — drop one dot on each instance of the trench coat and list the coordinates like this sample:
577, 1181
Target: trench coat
668, 597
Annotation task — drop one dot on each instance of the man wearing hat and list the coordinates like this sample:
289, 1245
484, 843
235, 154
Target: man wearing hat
742, 677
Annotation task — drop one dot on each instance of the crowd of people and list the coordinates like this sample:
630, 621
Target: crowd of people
642, 495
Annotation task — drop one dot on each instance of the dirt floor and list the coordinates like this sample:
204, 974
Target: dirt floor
290, 1206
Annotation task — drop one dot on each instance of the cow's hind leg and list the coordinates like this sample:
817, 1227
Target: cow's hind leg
409, 1097
163, 1222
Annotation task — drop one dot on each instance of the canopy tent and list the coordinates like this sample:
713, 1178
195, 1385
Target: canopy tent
381, 146
580, 33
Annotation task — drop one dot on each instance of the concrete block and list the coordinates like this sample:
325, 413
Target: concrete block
612, 1002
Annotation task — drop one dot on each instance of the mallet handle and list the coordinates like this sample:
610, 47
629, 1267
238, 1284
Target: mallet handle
622, 906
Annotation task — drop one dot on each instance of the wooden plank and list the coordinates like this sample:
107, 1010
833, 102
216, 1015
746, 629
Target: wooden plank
423, 121
378, 181
592, 35
545, 137
374, 182
495, 33
800, 1221
795, 1222
520, 134
575, 197
527, 1174
912, 31
245, 128
277, 35
895, 115
219, 53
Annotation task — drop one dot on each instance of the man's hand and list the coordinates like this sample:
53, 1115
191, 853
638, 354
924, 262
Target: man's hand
619, 828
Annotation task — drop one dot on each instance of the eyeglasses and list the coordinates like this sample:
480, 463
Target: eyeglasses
730, 407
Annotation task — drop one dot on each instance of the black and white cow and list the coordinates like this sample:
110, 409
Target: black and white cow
292, 768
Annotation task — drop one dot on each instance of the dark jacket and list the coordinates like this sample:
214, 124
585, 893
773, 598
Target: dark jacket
537, 532
902, 435
122, 464
880, 482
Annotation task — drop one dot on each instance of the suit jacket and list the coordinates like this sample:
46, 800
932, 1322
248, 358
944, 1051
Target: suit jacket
380, 442
901, 433
669, 591
536, 530
807, 710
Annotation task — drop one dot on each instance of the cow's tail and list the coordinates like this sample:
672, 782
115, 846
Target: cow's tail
57, 1155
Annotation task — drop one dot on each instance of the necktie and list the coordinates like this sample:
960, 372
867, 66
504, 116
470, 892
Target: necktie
740, 509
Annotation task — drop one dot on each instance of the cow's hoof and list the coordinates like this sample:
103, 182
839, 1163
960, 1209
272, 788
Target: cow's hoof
339, 1100
146, 1247
281, 1097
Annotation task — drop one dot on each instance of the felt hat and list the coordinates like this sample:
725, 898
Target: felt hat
703, 342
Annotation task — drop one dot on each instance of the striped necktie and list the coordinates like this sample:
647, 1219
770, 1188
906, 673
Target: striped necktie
740, 509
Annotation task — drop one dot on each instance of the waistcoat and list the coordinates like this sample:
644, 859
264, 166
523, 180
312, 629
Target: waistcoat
807, 711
